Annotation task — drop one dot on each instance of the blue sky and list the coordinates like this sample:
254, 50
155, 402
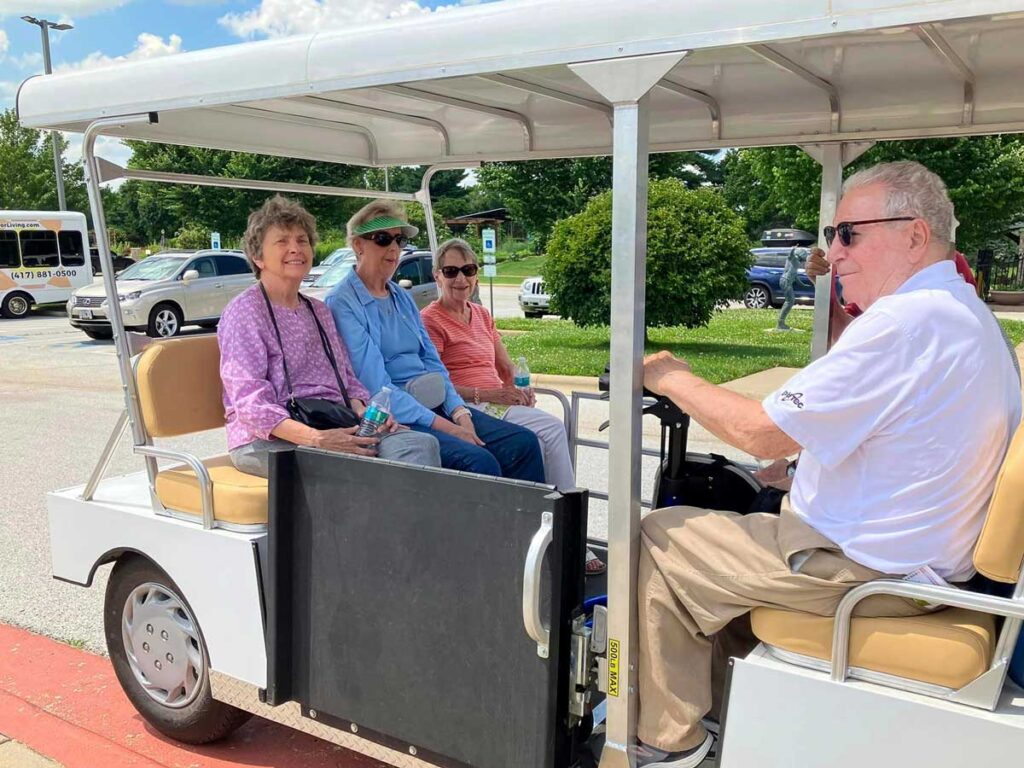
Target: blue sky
107, 31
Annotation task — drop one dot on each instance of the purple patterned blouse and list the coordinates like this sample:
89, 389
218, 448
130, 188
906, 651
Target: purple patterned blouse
255, 393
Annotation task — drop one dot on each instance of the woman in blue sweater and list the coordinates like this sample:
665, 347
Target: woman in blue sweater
389, 346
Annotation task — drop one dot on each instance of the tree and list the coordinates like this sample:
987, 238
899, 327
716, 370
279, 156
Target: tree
697, 257
538, 193
28, 181
985, 176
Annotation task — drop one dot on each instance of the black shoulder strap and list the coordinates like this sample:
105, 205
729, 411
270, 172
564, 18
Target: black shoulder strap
277, 333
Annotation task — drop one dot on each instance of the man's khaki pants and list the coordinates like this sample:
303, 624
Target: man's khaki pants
700, 569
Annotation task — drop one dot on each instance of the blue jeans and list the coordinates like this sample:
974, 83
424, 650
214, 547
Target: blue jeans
508, 451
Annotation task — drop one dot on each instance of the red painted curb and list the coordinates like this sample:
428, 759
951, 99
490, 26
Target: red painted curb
66, 704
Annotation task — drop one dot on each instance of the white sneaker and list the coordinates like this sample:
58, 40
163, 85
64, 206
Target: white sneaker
652, 757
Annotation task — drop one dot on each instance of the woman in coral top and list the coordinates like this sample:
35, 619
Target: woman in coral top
480, 366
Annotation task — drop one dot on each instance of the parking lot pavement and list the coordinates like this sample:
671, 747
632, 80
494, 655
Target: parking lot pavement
60, 395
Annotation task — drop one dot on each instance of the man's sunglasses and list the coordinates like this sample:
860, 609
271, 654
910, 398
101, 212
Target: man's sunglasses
384, 239
469, 270
845, 229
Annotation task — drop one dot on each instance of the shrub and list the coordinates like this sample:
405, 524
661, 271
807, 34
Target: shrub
697, 257
192, 236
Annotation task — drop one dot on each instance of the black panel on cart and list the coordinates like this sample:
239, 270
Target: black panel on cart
395, 599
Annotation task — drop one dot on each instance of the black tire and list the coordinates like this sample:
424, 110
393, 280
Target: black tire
165, 321
202, 719
758, 296
100, 334
533, 315
16, 305
209, 324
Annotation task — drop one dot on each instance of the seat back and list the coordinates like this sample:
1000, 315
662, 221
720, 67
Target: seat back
999, 553
180, 390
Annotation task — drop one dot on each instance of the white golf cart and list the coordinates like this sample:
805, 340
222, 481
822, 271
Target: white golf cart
383, 607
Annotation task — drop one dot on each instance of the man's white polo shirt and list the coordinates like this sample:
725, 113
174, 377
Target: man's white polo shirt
903, 425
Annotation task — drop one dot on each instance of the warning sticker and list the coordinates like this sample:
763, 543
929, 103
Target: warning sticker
613, 667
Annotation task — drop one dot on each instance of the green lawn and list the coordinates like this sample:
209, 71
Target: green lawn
735, 343
514, 272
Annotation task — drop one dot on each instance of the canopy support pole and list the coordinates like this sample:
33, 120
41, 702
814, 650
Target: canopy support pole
93, 177
833, 158
423, 196
626, 84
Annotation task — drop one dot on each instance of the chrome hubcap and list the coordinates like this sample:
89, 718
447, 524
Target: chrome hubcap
162, 642
756, 298
18, 305
166, 323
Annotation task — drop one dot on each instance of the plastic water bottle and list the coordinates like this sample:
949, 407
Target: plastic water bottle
522, 374
376, 413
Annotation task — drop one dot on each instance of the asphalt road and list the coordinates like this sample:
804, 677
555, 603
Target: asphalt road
61, 395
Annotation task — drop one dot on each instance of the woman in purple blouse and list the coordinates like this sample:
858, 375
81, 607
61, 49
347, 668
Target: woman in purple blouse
279, 244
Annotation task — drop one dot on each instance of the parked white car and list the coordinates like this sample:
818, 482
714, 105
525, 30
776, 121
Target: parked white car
335, 257
533, 297
163, 293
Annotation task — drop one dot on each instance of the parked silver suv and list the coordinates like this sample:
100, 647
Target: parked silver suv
163, 293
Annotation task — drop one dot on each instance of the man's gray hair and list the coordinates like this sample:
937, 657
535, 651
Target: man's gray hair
911, 190
456, 243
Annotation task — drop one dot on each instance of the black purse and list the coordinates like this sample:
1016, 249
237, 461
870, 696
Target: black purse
315, 412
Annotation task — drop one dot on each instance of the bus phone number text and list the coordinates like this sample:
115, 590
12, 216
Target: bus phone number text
36, 274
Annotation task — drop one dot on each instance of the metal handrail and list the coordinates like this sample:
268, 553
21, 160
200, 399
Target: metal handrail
104, 461
566, 408
532, 574
197, 466
948, 596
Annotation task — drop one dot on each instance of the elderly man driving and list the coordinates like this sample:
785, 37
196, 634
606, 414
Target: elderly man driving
902, 427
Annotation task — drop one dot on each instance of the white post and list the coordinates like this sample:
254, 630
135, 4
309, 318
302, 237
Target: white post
626, 83
831, 187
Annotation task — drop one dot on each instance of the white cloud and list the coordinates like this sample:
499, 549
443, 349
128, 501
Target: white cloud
279, 18
51, 8
147, 46
33, 61
5, 43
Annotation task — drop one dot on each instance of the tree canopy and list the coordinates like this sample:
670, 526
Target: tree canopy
780, 186
28, 181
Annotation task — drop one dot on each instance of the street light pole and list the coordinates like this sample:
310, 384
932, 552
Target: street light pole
58, 167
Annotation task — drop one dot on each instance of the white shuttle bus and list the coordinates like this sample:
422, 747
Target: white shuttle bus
44, 257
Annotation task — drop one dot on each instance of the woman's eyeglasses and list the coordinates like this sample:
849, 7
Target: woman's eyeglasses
384, 239
845, 229
469, 270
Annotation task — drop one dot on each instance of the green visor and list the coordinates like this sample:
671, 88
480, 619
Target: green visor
386, 222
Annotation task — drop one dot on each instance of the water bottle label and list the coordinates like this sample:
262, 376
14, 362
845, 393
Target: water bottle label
375, 415
522, 381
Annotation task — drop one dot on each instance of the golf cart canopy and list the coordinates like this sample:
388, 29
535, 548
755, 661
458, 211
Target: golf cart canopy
495, 82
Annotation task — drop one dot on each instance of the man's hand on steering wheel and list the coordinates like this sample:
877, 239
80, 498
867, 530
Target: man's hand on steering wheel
660, 367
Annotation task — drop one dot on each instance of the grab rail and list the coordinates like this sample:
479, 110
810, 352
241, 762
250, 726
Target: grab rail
532, 573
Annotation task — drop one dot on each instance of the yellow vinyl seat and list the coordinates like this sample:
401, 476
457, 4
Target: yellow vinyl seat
180, 392
949, 647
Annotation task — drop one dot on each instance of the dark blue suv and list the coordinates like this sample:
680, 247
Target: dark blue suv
764, 276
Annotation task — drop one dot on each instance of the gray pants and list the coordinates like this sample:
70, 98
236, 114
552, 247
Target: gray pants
405, 445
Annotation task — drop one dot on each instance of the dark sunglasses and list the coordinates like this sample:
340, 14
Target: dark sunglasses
845, 229
384, 239
469, 270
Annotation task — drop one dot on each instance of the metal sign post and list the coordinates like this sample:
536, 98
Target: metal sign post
490, 261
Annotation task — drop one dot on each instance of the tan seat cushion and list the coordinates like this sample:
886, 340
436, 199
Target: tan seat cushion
950, 647
238, 497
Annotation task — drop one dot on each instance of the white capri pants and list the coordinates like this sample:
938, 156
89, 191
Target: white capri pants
554, 443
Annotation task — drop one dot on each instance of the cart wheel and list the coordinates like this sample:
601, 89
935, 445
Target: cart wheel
164, 321
16, 305
159, 656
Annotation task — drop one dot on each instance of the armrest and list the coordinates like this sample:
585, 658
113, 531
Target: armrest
197, 466
950, 596
566, 408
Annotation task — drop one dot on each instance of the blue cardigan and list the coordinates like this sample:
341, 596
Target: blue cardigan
357, 316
